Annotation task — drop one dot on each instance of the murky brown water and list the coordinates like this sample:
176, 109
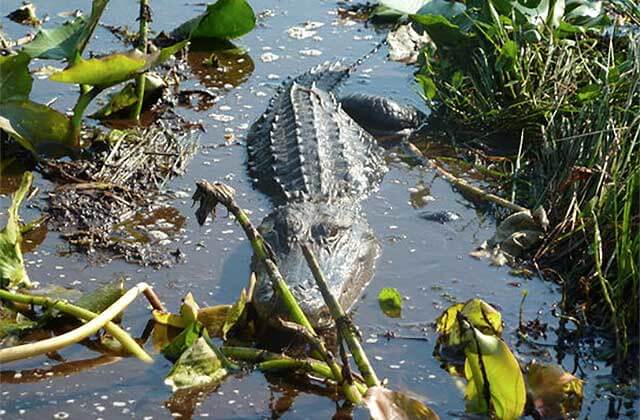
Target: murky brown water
427, 261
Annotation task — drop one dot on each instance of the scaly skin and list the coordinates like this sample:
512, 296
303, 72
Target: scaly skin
318, 164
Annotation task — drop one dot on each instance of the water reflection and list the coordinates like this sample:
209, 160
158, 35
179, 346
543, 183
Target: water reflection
220, 66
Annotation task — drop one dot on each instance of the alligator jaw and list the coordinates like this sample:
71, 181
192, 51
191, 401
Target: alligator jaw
343, 244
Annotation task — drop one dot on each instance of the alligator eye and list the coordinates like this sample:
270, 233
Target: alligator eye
324, 232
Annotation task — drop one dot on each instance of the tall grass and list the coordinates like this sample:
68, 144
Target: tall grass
587, 172
575, 100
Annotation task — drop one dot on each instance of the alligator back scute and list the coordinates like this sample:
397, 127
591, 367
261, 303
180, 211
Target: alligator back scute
305, 146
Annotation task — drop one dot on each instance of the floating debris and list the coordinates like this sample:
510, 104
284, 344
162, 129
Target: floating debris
106, 198
311, 52
269, 57
222, 117
298, 32
405, 44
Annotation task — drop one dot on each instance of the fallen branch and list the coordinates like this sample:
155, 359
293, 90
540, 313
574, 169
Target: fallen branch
96, 322
464, 185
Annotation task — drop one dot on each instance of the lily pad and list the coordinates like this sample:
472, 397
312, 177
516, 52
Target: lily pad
24, 120
12, 270
197, 366
15, 80
390, 302
385, 404
225, 19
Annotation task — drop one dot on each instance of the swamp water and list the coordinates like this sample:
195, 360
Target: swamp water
428, 262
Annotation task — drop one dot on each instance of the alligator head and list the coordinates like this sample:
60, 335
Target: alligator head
343, 243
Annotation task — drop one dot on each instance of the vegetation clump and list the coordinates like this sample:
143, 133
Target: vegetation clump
556, 87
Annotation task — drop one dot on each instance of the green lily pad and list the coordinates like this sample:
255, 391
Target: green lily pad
15, 80
25, 121
12, 270
390, 302
225, 19
197, 366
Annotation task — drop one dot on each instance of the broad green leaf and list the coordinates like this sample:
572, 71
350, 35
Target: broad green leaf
481, 315
234, 316
489, 357
390, 302
225, 19
123, 101
15, 80
447, 35
553, 392
585, 12
104, 71
385, 404
588, 93
115, 68
59, 43
404, 7
183, 341
167, 318
103, 297
507, 56
26, 122
444, 8
197, 366
12, 270
213, 318
189, 309
428, 86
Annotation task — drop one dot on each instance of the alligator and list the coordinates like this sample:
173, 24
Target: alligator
313, 156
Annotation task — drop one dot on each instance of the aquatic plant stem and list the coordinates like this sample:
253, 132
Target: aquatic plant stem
477, 192
85, 98
341, 319
268, 361
95, 323
210, 195
145, 18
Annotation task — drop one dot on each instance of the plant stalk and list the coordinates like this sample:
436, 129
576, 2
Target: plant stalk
342, 322
145, 18
95, 323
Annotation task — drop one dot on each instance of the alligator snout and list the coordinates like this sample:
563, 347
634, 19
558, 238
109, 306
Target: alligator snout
343, 244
